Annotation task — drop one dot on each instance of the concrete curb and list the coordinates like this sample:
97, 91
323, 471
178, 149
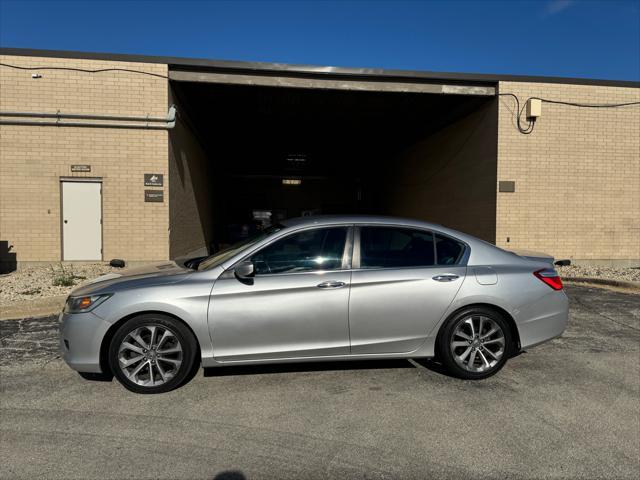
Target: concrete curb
604, 281
42, 307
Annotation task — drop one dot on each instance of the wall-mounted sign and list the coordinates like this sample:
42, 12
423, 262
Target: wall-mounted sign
291, 181
153, 179
154, 196
507, 186
80, 168
296, 162
297, 158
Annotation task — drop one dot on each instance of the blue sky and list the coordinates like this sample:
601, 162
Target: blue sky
595, 39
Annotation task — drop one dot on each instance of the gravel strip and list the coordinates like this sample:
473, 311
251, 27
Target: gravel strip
592, 271
33, 283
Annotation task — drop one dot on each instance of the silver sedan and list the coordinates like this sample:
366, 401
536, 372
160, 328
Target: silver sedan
317, 289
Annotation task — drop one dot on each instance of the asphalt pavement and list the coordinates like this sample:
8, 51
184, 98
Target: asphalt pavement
566, 409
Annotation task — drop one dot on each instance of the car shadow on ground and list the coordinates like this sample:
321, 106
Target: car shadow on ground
307, 367
230, 475
330, 366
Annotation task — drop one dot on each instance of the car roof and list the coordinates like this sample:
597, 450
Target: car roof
360, 219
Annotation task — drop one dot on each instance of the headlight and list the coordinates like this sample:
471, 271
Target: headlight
84, 304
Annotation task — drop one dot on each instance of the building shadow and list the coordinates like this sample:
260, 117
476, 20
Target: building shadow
306, 367
8, 259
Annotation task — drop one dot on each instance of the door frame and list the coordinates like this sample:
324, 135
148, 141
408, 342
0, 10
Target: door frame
228, 275
61, 222
358, 269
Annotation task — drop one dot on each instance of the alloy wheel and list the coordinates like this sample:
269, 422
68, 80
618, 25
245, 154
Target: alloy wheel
477, 343
150, 355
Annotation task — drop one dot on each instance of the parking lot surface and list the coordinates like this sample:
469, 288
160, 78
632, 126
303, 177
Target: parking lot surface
566, 409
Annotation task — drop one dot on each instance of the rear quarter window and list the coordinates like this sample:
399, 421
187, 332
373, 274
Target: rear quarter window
448, 250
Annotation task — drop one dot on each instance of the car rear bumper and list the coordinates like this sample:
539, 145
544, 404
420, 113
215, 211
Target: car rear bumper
81, 336
544, 320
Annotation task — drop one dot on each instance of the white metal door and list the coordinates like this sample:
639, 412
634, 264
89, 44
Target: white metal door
82, 221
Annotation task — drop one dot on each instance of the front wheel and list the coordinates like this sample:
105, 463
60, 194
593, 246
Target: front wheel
475, 343
152, 353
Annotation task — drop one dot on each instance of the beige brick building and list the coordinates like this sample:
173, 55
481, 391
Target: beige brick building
414, 144
577, 176
34, 159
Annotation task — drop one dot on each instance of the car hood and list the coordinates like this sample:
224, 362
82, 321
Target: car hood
146, 275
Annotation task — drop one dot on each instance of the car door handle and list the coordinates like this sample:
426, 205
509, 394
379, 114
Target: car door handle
445, 277
331, 284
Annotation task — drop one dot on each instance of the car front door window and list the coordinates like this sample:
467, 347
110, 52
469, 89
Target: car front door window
307, 251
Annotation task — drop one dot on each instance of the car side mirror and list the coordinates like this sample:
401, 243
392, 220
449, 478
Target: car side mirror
245, 271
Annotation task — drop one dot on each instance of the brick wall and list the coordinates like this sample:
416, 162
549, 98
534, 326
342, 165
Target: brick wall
33, 158
577, 175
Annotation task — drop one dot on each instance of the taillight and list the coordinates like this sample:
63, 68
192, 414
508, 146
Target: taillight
550, 277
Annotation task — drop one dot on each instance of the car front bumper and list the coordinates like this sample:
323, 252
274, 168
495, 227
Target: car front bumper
81, 336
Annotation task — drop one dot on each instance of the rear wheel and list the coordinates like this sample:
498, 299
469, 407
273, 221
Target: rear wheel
475, 343
152, 353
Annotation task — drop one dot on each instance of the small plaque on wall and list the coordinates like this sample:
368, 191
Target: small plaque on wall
81, 168
154, 196
153, 179
507, 186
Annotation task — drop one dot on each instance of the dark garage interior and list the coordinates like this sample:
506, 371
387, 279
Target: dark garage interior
244, 156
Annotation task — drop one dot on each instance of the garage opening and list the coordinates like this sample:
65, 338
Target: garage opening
246, 156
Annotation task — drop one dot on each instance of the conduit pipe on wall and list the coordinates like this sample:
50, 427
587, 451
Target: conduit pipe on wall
107, 121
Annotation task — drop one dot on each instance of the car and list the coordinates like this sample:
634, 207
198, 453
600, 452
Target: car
317, 289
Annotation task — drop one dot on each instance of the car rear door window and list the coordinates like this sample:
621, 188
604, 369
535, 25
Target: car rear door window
306, 251
389, 247
449, 251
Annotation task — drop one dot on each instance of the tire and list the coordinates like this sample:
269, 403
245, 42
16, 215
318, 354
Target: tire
472, 355
154, 343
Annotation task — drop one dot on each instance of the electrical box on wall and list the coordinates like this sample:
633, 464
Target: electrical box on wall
534, 108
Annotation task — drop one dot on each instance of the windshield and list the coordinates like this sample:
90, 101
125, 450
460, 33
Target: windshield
226, 253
